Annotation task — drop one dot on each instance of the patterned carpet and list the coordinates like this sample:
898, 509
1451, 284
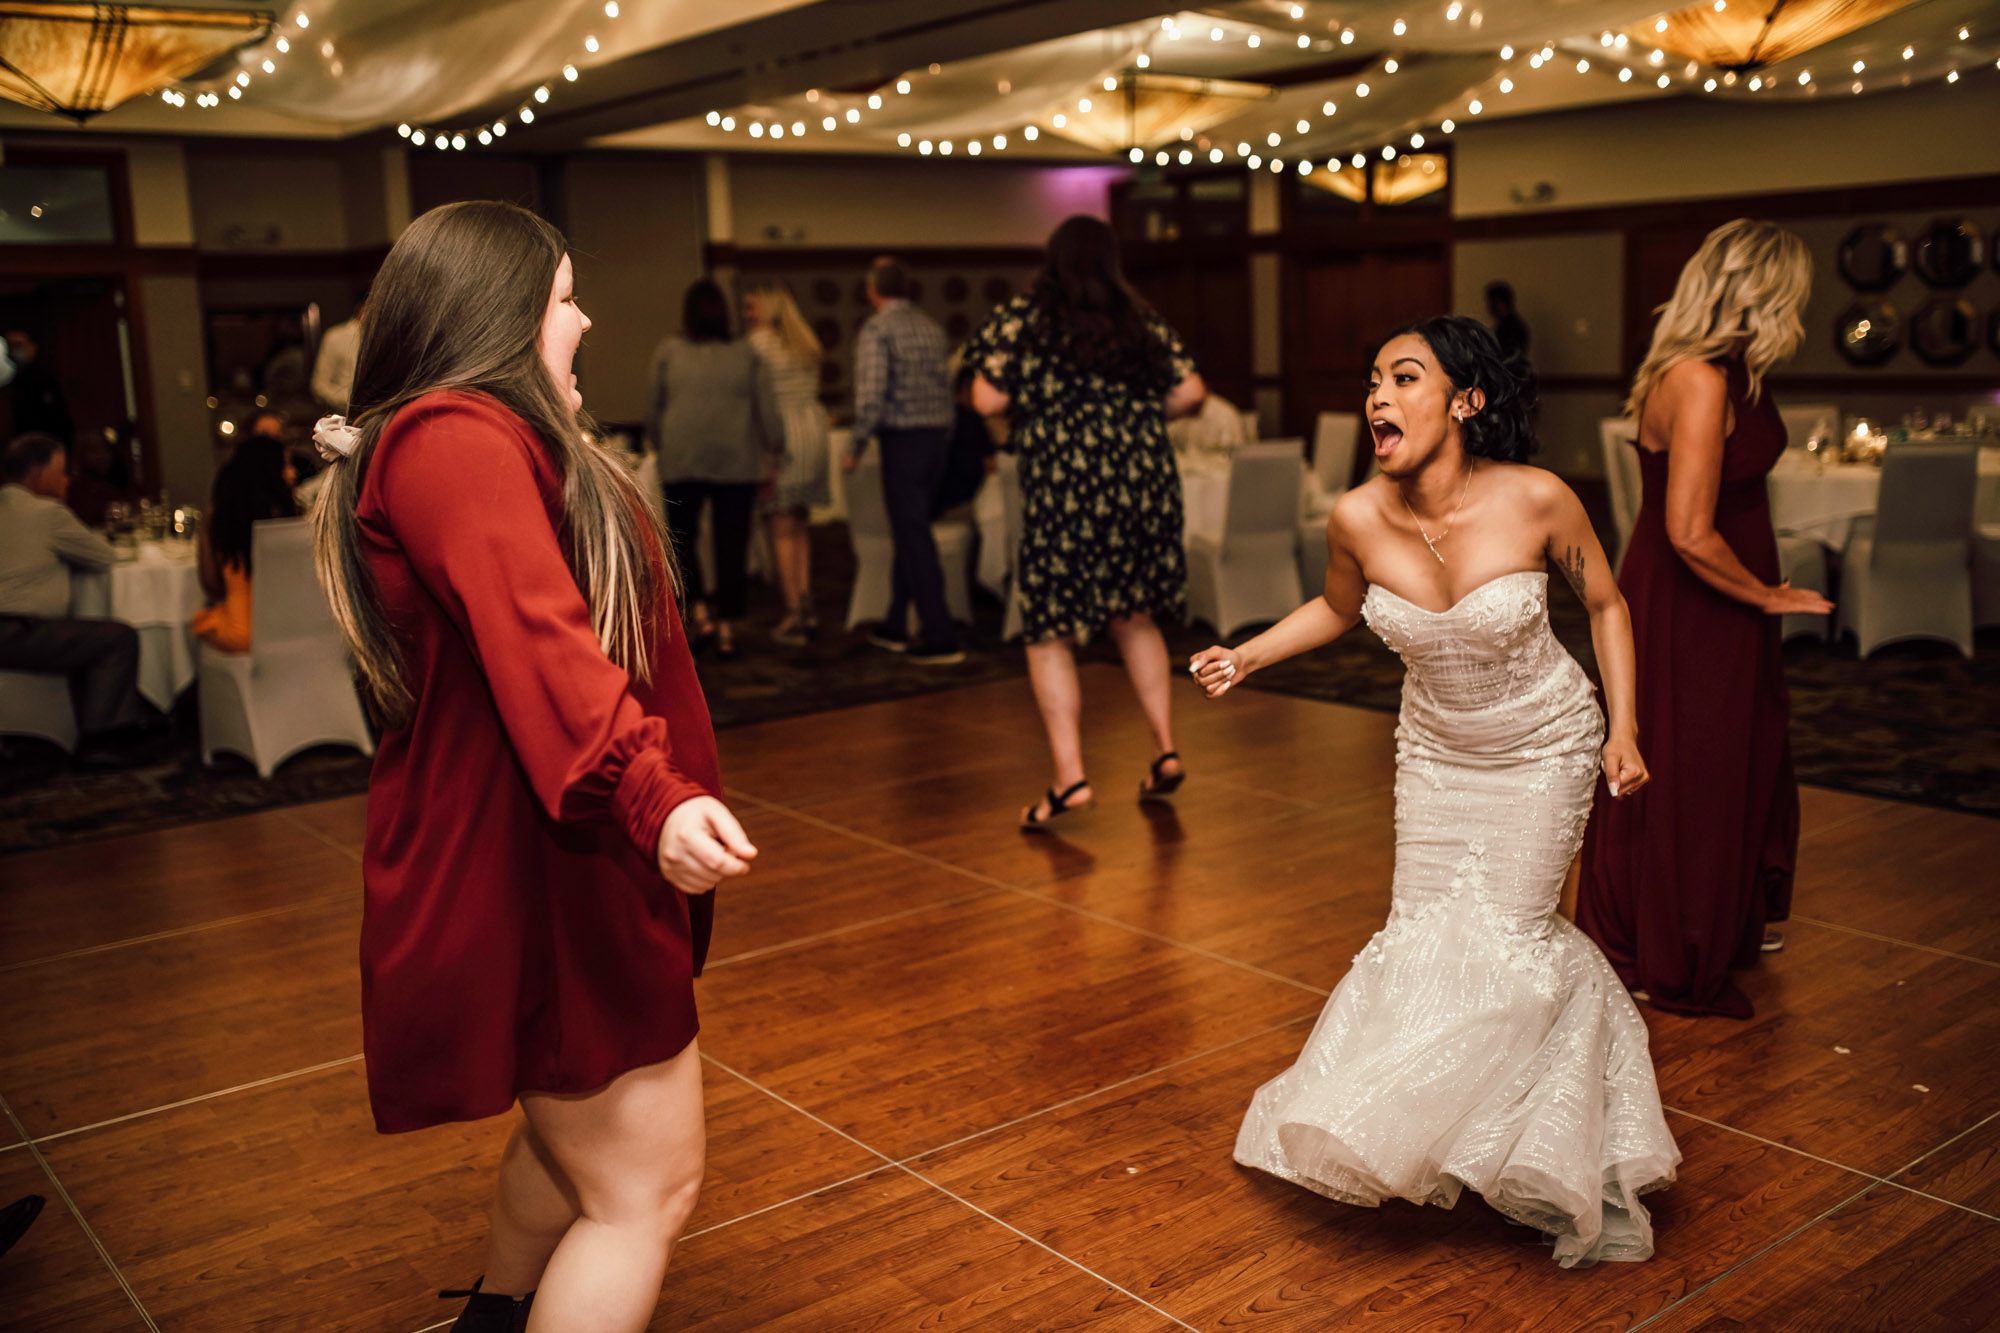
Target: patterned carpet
1916, 722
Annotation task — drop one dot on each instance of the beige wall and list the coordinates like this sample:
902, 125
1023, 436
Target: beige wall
267, 201
161, 212
891, 202
636, 229
1692, 147
179, 380
1568, 289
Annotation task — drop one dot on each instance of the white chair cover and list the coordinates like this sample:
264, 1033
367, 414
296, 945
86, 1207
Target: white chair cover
34, 704
1909, 572
1336, 437
1803, 421
875, 551
295, 687
1250, 574
1617, 436
1250, 427
1803, 561
1986, 576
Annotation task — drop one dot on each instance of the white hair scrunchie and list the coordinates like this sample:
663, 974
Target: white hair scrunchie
334, 438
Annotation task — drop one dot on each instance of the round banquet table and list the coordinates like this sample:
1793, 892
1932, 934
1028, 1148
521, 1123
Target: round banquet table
1808, 500
156, 592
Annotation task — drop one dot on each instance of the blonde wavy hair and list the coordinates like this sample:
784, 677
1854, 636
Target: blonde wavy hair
780, 313
1741, 294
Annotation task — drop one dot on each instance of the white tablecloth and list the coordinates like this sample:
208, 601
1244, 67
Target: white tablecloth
157, 594
1822, 503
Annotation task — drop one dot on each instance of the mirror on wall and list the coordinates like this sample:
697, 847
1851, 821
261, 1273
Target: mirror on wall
1868, 333
1993, 332
1873, 257
1950, 252
1944, 331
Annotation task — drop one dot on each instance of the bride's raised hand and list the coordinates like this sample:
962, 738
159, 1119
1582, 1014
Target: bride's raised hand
1216, 669
1624, 767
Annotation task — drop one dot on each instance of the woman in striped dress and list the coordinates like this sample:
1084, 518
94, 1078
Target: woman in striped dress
779, 334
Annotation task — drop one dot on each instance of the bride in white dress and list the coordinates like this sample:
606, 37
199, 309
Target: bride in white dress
1480, 1041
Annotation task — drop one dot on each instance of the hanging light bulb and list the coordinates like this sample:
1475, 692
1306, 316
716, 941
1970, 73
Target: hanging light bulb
1390, 67
1215, 154
569, 73
1327, 107
1273, 139
1663, 81
1305, 168
1449, 126
1145, 61
1347, 36
829, 123
715, 117
1255, 41
902, 141
1506, 53
1304, 126
902, 85
852, 116
1160, 158
1137, 155
590, 44
1254, 162
1083, 104
1304, 41
500, 127
1361, 90
874, 101
1399, 27
1031, 133
1416, 141
1475, 108
542, 93
925, 148
611, 9
944, 147
1506, 85
1625, 74
1058, 120
403, 130
1583, 67
728, 123
1186, 157
485, 137
1358, 161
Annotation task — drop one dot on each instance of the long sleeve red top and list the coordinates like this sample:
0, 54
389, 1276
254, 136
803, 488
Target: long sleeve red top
516, 934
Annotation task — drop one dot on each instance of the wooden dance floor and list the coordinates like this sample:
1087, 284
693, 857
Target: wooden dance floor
963, 1079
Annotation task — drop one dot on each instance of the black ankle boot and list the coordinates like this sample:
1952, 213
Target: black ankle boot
489, 1312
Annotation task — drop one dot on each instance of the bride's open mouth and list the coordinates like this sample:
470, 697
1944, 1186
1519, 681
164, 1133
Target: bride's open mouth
1387, 436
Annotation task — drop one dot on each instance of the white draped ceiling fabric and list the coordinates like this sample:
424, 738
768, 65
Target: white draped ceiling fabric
1453, 62
1306, 81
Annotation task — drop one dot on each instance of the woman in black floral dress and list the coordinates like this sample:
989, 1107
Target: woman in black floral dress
1088, 374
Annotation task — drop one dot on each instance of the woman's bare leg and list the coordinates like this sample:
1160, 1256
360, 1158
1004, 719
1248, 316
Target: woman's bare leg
633, 1152
1144, 649
533, 1207
787, 531
1059, 695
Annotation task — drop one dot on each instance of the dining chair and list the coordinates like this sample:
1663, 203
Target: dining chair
1336, 437
875, 550
1618, 437
295, 687
1909, 569
35, 704
1803, 421
1802, 562
1248, 573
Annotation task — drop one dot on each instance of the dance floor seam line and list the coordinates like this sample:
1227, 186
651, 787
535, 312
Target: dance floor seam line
176, 932
76, 1213
922, 1179
820, 937
290, 817
1750, 1260
251, 1086
1032, 895
1891, 939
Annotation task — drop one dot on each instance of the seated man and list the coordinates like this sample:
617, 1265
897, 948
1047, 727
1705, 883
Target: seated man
40, 539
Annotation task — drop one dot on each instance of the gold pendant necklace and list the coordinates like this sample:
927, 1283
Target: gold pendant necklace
1447, 523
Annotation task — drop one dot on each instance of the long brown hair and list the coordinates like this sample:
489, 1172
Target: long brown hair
459, 304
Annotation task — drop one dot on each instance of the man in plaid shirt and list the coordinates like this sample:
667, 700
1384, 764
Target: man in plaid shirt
902, 397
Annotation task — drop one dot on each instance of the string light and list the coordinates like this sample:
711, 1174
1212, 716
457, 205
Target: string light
1304, 41
715, 117
590, 44
1058, 120
1389, 153
777, 131
1708, 87
1449, 126
1663, 81
1659, 25
1145, 61
1273, 139
1347, 36
1357, 161
852, 116
569, 72
1326, 108
1160, 158
458, 142
1755, 84
1304, 126
944, 147
1416, 141
1625, 74
1390, 67
1255, 41
1506, 53
1475, 108
1909, 51
1298, 11
728, 123
1031, 133
1361, 90
1305, 168
874, 101
1658, 57
235, 93
485, 137
829, 124
925, 148
1951, 77
611, 9
902, 85
1215, 154
542, 93
1083, 105
1254, 162
902, 141
1137, 155
1506, 85
1805, 77
756, 130
1399, 27
999, 143
500, 127
1860, 65
1583, 67
284, 45
1186, 157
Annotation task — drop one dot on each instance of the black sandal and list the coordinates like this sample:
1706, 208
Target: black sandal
489, 1312
1058, 806
1159, 786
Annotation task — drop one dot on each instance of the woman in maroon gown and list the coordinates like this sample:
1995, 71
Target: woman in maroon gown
1677, 885
543, 816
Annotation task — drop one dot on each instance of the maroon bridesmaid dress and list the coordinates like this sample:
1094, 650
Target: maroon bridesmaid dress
515, 933
1679, 880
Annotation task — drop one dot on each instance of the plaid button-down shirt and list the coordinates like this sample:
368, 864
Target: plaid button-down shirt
899, 373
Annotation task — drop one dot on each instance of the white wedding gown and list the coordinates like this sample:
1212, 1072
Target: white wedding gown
1481, 1041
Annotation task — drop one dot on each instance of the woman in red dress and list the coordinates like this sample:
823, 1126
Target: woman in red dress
1677, 886
543, 816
